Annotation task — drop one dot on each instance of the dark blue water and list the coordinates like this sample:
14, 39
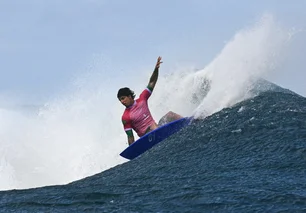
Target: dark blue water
247, 158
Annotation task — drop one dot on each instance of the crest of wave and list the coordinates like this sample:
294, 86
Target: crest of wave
230, 77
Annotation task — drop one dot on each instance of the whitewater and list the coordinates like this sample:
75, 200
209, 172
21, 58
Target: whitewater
79, 133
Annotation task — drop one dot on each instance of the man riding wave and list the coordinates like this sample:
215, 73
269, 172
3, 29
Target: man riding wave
137, 115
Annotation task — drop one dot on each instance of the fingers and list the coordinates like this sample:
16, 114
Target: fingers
159, 59
158, 62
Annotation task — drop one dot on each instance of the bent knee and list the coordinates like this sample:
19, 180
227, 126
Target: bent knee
169, 117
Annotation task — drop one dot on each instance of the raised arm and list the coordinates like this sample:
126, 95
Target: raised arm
154, 76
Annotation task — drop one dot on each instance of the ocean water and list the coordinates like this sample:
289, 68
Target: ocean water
250, 157
244, 152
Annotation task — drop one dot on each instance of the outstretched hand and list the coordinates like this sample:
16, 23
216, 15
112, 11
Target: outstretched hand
158, 62
154, 76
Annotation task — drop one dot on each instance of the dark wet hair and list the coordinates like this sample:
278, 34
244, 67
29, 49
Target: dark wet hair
125, 92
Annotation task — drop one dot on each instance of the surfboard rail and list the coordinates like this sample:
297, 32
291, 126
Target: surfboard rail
152, 138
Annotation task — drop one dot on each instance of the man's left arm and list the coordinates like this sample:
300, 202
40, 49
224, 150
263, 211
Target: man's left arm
154, 76
130, 136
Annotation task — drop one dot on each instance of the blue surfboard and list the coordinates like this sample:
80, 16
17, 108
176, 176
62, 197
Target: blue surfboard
152, 138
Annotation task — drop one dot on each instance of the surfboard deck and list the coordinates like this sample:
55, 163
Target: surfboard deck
152, 138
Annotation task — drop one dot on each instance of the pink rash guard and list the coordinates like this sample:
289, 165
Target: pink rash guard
138, 116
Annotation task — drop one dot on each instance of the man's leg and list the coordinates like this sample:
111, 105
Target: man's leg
169, 117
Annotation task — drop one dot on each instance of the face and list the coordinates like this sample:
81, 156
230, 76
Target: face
126, 100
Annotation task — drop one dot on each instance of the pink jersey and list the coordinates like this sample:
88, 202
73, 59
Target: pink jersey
138, 116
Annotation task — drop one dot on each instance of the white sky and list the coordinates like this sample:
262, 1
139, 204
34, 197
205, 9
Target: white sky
45, 43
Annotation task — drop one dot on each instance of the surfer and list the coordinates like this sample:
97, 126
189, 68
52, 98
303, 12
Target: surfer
137, 115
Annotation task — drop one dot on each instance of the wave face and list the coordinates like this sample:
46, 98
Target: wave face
248, 157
